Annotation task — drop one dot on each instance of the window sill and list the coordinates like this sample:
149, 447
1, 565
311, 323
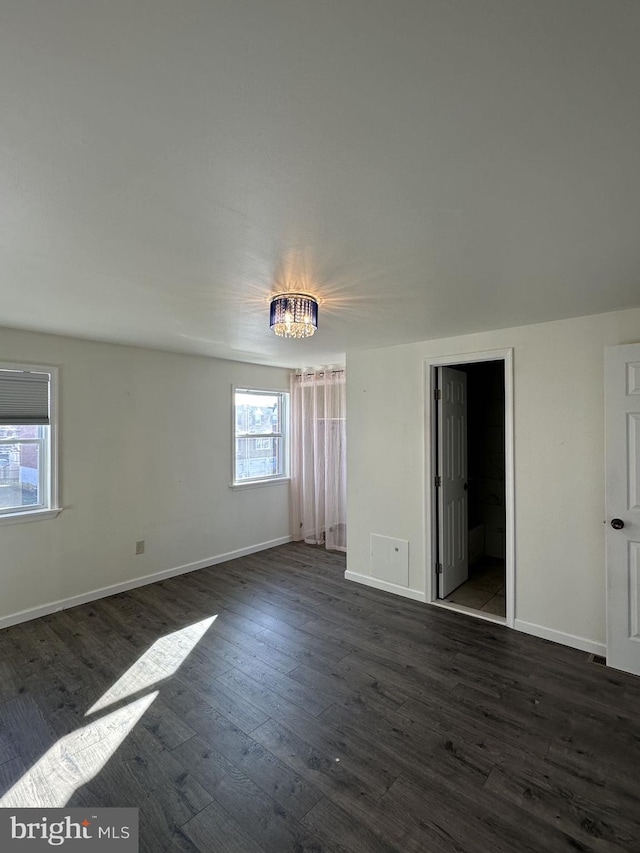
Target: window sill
258, 484
34, 515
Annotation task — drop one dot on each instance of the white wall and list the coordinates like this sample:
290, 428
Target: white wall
145, 453
559, 461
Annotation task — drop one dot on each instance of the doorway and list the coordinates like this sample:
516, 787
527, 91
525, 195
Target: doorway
470, 485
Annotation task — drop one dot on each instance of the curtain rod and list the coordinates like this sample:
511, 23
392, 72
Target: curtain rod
318, 372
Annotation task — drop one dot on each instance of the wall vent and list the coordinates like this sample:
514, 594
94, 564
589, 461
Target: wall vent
390, 559
599, 659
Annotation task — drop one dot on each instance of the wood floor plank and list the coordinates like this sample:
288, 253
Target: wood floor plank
376, 640
502, 720
214, 829
11, 771
344, 787
452, 821
161, 721
337, 781
345, 833
353, 751
23, 726
303, 647
340, 681
585, 682
266, 687
585, 819
407, 748
589, 760
470, 742
323, 769
251, 758
242, 713
180, 605
415, 680
8, 747
261, 817
115, 786
9, 682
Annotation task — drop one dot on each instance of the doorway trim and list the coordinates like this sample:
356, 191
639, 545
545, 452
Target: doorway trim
431, 450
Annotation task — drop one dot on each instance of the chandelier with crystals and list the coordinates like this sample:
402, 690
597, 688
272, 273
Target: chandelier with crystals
294, 315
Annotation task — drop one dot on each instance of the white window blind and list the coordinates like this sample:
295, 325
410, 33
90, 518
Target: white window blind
24, 397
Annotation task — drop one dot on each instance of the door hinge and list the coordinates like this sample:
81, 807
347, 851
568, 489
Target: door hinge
438, 568
438, 481
437, 394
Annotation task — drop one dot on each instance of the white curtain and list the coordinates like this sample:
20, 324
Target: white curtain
318, 458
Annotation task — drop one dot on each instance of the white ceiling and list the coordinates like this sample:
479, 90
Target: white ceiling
427, 167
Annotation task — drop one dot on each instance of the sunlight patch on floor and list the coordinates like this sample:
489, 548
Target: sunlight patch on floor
160, 661
80, 755
75, 759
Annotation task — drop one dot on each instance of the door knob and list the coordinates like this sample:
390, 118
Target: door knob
617, 523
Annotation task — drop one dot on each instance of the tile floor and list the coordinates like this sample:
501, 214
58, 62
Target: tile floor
485, 588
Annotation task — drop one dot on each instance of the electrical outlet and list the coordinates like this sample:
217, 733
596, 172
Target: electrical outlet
140, 546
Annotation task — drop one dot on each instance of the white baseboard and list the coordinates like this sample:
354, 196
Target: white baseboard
106, 591
572, 640
367, 580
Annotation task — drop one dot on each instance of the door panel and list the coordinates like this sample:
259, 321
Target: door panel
452, 491
622, 421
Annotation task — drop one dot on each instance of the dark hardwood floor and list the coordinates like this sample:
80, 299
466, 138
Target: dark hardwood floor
313, 714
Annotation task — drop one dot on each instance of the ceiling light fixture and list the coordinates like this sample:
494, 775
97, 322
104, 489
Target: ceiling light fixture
294, 315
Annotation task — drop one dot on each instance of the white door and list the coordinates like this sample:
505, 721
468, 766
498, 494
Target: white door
453, 557
622, 428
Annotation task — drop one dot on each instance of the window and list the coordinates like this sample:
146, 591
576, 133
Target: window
27, 443
261, 425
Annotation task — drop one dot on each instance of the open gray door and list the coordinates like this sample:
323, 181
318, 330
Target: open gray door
453, 557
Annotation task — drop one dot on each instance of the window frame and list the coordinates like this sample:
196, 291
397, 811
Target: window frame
283, 435
48, 465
